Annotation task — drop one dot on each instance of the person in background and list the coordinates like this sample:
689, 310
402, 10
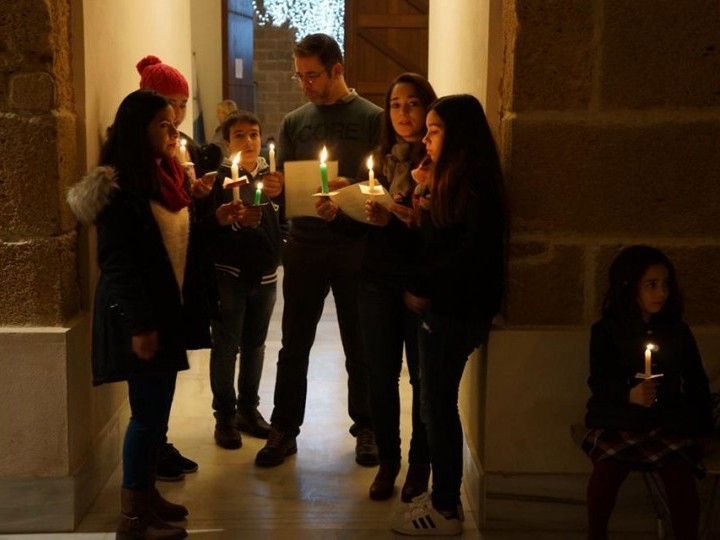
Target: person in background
654, 424
152, 301
317, 258
455, 286
387, 323
170, 83
224, 108
246, 256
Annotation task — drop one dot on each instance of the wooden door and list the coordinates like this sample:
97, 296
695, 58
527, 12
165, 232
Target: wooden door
238, 33
384, 38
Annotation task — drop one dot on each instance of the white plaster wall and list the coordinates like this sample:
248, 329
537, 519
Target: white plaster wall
118, 33
207, 45
458, 47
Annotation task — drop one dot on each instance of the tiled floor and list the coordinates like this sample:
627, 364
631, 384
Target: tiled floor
319, 494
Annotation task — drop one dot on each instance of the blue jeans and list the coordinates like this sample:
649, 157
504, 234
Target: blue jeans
151, 397
445, 344
311, 271
245, 311
388, 325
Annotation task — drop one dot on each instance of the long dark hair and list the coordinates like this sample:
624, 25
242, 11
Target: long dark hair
467, 160
624, 277
424, 92
127, 147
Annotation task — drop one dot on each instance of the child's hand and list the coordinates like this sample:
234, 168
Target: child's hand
376, 213
228, 213
644, 393
273, 183
145, 345
250, 216
403, 213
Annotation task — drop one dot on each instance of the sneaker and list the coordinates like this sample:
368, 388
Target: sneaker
168, 455
278, 446
416, 481
226, 434
250, 421
166, 469
420, 518
366, 452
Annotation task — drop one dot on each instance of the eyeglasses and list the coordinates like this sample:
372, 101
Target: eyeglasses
306, 77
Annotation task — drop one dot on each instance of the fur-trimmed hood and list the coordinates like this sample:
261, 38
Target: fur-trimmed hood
88, 197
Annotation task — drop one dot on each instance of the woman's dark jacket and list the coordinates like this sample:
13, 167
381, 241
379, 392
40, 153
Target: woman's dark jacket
617, 353
137, 290
460, 267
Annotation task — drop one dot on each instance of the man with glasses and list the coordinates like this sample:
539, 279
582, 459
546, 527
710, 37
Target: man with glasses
319, 257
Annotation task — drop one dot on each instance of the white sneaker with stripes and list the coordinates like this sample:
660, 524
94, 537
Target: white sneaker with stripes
420, 518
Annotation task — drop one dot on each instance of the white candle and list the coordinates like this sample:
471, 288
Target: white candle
648, 358
271, 155
183, 151
234, 167
371, 174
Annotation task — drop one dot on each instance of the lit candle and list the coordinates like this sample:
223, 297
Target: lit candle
648, 358
271, 155
234, 167
234, 173
183, 151
371, 174
323, 171
258, 193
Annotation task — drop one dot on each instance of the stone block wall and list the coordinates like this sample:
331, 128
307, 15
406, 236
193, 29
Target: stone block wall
610, 134
275, 93
38, 282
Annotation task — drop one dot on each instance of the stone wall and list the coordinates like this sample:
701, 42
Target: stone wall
611, 136
38, 284
275, 93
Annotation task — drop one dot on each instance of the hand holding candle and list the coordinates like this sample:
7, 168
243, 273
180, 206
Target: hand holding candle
258, 193
271, 156
323, 171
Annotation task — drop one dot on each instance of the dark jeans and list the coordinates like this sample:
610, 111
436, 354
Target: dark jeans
445, 344
245, 311
311, 271
388, 325
151, 397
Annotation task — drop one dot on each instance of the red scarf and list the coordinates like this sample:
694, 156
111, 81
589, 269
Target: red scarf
172, 179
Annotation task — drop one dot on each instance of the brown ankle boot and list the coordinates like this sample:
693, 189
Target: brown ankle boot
164, 509
139, 521
384, 483
416, 481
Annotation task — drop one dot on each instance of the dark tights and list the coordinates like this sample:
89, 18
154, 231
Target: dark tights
680, 487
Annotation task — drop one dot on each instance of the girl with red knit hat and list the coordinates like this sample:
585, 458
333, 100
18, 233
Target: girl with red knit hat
170, 83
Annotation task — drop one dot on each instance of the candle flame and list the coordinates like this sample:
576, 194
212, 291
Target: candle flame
272, 147
370, 163
236, 159
323, 155
652, 347
259, 186
183, 142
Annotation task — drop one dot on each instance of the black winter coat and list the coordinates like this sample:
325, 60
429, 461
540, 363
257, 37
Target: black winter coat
617, 352
137, 290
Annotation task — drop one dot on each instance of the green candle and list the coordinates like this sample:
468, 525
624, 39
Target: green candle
258, 193
323, 171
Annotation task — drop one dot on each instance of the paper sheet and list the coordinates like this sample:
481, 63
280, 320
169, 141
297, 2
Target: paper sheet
351, 199
302, 179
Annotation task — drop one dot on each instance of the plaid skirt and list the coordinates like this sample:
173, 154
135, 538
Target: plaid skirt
642, 451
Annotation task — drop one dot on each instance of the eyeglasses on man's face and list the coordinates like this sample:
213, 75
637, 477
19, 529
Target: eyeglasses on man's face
308, 78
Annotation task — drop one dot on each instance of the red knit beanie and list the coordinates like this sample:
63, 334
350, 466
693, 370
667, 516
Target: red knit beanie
164, 79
